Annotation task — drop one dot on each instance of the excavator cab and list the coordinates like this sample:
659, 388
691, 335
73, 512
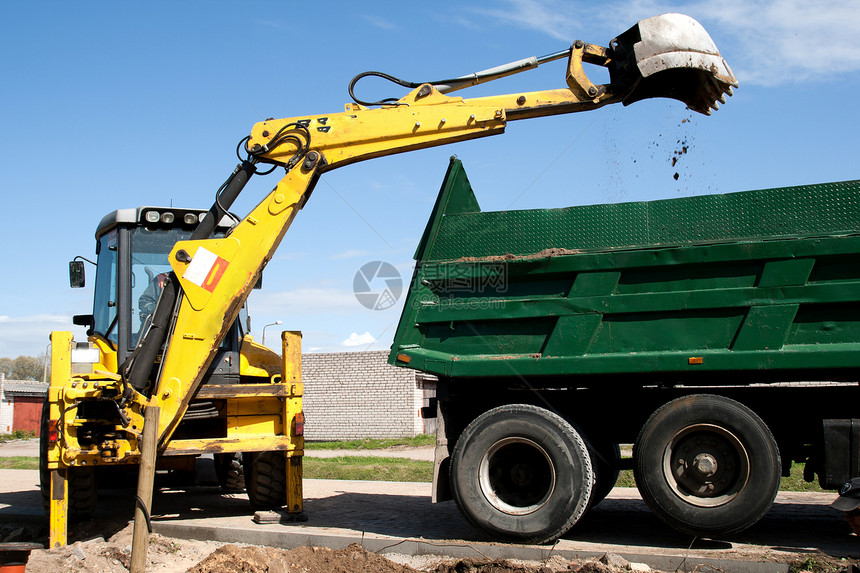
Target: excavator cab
91, 431
132, 247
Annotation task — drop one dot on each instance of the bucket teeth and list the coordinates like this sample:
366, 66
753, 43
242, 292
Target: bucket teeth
671, 56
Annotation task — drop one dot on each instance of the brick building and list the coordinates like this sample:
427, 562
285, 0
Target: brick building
20, 404
348, 395
351, 395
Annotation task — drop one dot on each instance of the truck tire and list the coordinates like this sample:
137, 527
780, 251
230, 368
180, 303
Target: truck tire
605, 460
229, 470
83, 494
266, 479
521, 473
707, 465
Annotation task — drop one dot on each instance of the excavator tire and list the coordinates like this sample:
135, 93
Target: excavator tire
231, 474
265, 479
83, 494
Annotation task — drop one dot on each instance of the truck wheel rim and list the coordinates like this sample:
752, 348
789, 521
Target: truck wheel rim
706, 465
517, 476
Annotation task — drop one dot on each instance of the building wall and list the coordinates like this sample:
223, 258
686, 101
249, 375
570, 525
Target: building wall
352, 395
348, 395
21, 405
6, 408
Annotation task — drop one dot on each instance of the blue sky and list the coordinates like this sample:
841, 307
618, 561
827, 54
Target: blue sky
110, 105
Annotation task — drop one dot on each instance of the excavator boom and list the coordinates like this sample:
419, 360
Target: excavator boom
666, 56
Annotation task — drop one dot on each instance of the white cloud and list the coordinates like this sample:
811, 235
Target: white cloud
379, 22
29, 335
290, 256
767, 42
554, 18
351, 254
773, 42
356, 339
304, 301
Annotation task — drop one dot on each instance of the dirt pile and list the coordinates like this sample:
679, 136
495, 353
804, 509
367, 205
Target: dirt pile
114, 555
355, 559
252, 559
176, 555
544, 254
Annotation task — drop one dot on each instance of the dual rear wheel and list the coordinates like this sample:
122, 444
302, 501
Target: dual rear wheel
705, 464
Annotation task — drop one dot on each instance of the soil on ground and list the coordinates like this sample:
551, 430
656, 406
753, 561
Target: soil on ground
113, 555
167, 555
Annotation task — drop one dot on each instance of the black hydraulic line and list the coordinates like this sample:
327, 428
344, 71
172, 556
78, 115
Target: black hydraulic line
143, 357
453, 84
145, 354
142, 506
224, 199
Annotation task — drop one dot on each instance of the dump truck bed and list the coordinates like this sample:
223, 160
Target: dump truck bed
696, 288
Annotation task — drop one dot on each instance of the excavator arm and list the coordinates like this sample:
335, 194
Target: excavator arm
125, 413
665, 56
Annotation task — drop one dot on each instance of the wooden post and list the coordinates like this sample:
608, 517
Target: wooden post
145, 481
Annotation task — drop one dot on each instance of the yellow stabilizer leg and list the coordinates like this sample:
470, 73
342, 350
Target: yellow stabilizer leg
59, 508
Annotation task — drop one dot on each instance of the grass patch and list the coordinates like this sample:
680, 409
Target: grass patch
373, 443
818, 563
368, 468
17, 435
371, 468
794, 482
19, 463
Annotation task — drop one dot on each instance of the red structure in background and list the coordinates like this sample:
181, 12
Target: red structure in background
21, 405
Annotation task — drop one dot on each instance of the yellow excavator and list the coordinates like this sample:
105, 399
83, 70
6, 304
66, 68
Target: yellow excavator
150, 394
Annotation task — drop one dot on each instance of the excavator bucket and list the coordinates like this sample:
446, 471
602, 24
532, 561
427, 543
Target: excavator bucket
671, 56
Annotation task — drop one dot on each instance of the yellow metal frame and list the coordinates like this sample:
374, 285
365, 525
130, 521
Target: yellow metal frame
423, 118
261, 417
217, 275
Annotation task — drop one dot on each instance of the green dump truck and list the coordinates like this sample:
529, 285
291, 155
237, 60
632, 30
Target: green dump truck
719, 334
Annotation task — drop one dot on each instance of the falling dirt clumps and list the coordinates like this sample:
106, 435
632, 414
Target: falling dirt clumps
682, 147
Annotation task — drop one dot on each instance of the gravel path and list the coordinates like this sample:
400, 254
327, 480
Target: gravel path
16, 448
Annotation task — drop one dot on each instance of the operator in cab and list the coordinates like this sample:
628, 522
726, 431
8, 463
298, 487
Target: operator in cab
147, 300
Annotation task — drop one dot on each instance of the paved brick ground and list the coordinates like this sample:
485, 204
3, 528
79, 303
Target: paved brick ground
798, 524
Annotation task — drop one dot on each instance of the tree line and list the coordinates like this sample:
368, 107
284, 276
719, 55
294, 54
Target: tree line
24, 368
